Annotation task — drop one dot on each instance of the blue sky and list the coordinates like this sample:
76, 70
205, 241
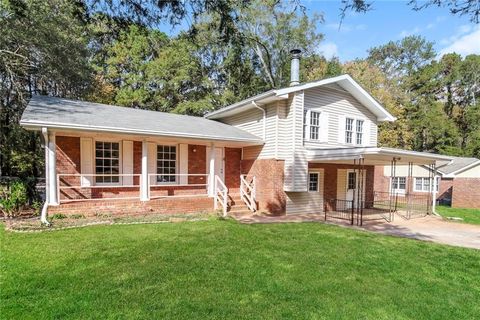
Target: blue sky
392, 20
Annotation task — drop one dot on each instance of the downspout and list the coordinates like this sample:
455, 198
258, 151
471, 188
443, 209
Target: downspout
264, 119
43, 215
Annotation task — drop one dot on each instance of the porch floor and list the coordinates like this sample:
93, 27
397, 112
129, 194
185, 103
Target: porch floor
427, 228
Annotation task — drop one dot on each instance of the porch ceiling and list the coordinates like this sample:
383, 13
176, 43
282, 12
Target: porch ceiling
375, 156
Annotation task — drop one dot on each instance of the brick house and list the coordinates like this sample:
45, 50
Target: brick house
301, 149
456, 184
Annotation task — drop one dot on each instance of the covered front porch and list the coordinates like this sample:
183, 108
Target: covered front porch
349, 192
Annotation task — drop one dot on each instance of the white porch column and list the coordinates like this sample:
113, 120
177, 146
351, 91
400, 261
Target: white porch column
52, 169
144, 181
211, 171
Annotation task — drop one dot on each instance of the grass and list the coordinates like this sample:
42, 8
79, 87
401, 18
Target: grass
468, 215
225, 270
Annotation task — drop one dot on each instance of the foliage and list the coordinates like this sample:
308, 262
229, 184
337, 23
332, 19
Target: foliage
58, 216
13, 198
225, 270
468, 215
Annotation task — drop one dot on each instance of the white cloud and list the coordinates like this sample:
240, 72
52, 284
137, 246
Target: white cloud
328, 49
465, 44
406, 33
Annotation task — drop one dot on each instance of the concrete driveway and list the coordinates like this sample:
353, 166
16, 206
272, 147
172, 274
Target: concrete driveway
430, 228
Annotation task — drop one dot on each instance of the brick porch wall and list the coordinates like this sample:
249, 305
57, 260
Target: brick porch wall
269, 175
233, 158
128, 207
466, 193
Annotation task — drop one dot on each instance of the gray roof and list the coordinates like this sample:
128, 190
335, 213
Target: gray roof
457, 164
43, 111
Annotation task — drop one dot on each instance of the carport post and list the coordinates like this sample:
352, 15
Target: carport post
434, 189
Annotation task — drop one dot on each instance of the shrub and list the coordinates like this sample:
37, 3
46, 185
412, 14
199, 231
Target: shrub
77, 216
59, 216
13, 198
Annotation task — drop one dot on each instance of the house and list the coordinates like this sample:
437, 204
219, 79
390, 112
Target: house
456, 183
307, 148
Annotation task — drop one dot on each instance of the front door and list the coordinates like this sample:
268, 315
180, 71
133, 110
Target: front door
353, 184
218, 162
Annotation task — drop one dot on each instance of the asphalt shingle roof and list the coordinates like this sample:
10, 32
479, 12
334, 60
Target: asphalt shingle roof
81, 115
457, 164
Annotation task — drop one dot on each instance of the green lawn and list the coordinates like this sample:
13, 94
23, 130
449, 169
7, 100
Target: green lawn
225, 270
468, 215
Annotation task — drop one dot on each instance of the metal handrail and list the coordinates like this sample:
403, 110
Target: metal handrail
221, 190
249, 195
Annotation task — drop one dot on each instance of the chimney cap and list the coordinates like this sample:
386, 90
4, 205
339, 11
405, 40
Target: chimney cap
295, 52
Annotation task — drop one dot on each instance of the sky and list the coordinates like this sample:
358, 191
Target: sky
391, 20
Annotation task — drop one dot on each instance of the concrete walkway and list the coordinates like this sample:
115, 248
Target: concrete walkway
429, 228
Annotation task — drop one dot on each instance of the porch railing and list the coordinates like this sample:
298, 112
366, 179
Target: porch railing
81, 187
339, 209
177, 185
221, 196
84, 187
248, 192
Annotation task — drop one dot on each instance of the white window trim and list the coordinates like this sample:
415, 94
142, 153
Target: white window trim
397, 190
317, 173
436, 185
364, 132
177, 163
120, 161
307, 125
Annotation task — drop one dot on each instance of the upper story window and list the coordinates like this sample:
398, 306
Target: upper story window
314, 125
107, 162
166, 163
354, 131
349, 130
311, 124
359, 128
313, 178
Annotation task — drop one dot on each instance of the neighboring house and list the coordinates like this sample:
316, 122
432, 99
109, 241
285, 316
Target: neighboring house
456, 183
298, 149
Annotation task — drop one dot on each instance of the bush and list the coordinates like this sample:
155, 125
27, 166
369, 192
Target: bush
13, 198
59, 216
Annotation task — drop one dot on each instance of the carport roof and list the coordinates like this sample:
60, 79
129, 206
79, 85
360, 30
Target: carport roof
376, 156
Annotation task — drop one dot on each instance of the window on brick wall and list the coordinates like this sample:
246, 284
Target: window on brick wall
399, 184
422, 184
166, 163
107, 162
313, 181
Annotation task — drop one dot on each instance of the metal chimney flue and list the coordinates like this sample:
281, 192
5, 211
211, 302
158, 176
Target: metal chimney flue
295, 67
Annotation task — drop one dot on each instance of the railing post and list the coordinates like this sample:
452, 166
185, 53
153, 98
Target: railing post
353, 212
144, 179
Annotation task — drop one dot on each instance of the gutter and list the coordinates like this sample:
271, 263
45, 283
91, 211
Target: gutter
264, 118
43, 215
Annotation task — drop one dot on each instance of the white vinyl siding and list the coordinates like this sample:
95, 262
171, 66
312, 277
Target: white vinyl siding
307, 202
339, 105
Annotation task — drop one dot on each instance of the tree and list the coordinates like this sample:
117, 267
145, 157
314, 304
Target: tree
43, 49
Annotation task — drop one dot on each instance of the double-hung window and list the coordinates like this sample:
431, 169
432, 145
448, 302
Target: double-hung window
359, 127
107, 162
314, 125
166, 164
313, 180
354, 131
352, 181
422, 184
349, 130
399, 184
311, 125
